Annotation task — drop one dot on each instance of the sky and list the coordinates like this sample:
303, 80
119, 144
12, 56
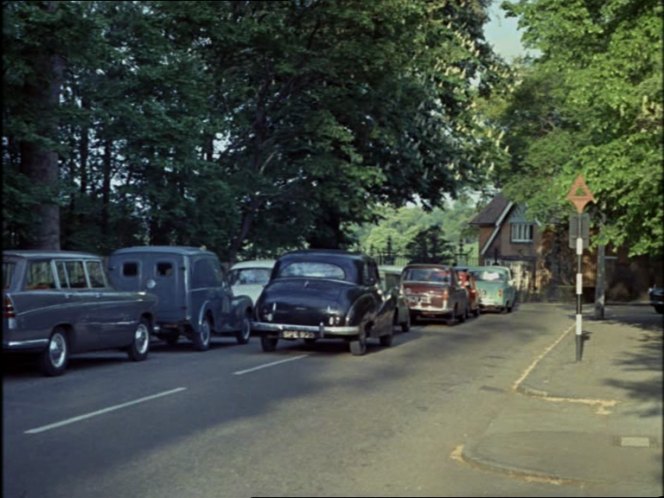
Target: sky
503, 34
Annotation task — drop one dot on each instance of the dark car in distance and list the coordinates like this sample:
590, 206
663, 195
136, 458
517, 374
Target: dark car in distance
58, 303
656, 296
324, 294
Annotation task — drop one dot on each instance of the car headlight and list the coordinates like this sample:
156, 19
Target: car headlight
268, 312
334, 316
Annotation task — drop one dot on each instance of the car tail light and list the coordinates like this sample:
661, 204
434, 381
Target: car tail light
446, 295
8, 310
500, 292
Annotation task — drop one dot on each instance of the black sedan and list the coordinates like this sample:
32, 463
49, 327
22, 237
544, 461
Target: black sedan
656, 295
316, 294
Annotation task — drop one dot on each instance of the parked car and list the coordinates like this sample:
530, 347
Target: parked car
320, 294
195, 298
656, 295
247, 278
433, 291
390, 277
467, 281
59, 303
497, 290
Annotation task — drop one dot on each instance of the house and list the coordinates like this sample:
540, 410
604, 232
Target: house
508, 238
543, 264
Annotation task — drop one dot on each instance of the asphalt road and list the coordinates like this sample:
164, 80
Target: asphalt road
237, 422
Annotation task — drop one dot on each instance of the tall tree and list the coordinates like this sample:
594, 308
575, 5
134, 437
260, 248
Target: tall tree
592, 104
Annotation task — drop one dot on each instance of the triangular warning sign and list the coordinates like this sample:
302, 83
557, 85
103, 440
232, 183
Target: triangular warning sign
580, 194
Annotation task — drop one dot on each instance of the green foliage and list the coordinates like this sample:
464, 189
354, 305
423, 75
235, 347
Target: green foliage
250, 127
591, 104
409, 230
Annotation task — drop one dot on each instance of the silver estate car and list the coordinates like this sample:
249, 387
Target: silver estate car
58, 303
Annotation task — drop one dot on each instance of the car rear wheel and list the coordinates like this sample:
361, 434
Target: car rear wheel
463, 315
201, 339
268, 344
453, 317
53, 360
386, 340
659, 309
358, 345
140, 345
405, 326
477, 312
171, 339
244, 334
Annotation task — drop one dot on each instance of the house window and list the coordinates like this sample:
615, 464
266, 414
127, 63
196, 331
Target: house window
522, 232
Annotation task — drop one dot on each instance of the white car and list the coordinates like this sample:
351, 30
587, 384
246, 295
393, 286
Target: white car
249, 277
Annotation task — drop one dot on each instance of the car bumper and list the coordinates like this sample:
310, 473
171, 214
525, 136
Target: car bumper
25, 345
291, 331
430, 310
492, 303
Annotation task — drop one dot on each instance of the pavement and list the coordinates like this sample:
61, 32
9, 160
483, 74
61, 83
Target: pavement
594, 424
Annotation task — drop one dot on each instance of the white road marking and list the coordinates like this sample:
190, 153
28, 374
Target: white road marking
100, 412
260, 367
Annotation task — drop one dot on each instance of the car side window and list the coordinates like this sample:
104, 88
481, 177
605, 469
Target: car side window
205, 275
217, 277
96, 274
76, 274
62, 274
164, 269
40, 276
7, 273
130, 269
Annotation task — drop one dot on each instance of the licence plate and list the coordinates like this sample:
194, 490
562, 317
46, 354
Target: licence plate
297, 334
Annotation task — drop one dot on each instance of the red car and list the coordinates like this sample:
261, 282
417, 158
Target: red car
467, 281
433, 291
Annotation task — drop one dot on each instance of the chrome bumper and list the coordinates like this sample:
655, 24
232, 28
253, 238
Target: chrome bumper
319, 331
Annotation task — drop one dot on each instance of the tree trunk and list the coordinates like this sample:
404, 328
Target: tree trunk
106, 186
600, 283
40, 163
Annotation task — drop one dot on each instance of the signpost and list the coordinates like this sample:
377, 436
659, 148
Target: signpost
579, 195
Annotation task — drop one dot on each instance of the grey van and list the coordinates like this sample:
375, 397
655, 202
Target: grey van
195, 299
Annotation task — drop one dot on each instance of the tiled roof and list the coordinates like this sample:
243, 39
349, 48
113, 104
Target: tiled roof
490, 214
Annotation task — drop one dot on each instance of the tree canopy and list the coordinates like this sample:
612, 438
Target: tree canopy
591, 103
249, 127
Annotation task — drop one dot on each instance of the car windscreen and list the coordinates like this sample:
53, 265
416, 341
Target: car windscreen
7, 273
390, 280
249, 276
312, 269
432, 275
491, 276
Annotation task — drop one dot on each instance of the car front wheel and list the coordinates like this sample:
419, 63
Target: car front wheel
268, 344
201, 339
53, 361
358, 345
244, 334
140, 345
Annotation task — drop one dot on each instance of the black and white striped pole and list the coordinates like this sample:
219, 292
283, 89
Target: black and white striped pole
579, 195
579, 291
